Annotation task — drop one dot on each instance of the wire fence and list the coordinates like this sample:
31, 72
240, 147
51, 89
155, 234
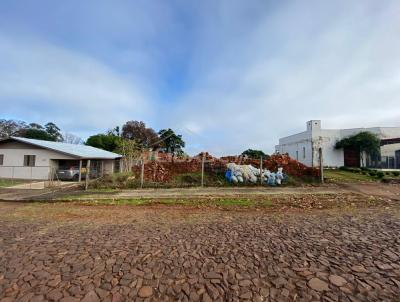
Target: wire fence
204, 170
41, 177
29, 176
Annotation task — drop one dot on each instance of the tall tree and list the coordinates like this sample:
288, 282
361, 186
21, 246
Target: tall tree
50, 132
11, 128
34, 133
108, 142
137, 131
54, 132
36, 126
171, 142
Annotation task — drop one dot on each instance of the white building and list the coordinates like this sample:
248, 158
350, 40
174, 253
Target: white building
305, 147
23, 158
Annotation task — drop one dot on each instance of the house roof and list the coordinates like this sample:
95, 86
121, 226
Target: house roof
79, 151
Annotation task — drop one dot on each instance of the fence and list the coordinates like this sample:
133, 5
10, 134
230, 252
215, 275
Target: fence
198, 171
40, 177
33, 177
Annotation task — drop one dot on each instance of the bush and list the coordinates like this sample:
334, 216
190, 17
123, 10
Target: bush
372, 173
380, 174
343, 168
396, 173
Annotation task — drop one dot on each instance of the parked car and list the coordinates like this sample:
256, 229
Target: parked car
70, 173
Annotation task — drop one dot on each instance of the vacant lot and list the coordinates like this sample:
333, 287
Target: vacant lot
73, 252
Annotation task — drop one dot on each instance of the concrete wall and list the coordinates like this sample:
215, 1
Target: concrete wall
13, 165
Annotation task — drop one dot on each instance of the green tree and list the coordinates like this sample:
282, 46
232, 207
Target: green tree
256, 154
54, 132
364, 142
108, 142
34, 133
171, 142
36, 126
50, 132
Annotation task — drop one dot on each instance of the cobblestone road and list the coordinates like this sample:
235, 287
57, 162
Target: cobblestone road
199, 255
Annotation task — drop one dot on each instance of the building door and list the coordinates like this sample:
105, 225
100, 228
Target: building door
397, 154
351, 157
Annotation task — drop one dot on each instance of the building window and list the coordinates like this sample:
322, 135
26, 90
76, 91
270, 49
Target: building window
29, 160
297, 155
304, 152
1, 159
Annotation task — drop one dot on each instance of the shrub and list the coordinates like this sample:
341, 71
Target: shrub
372, 173
396, 173
380, 174
343, 168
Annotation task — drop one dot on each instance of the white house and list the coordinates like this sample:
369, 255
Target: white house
23, 158
306, 146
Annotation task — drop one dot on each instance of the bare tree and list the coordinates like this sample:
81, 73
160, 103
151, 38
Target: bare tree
131, 152
11, 128
70, 138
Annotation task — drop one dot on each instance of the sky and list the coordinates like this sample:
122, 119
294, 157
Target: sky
226, 74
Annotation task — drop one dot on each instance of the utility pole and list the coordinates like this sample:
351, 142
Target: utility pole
202, 169
261, 170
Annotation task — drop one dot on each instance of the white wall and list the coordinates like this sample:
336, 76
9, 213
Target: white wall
326, 139
13, 164
315, 137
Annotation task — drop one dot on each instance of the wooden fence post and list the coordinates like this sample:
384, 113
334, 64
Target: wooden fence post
87, 174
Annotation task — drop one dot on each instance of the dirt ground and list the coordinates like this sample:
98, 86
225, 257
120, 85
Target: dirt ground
82, 252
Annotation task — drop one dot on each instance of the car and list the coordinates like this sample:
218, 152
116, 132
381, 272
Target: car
70, 173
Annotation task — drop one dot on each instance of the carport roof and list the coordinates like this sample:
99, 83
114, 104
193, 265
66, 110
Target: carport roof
79, 151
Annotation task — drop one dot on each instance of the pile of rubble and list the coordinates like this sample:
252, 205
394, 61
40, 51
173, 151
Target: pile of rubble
164, 171
273, 162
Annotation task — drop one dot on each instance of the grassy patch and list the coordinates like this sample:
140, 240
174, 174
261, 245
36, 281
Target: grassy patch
4, 182
347, 176
229, 202
219, 202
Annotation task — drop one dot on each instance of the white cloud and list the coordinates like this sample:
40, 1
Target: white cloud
68, 87
229, 74
339, 63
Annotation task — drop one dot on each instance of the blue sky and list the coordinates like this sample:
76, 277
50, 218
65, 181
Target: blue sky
228, 75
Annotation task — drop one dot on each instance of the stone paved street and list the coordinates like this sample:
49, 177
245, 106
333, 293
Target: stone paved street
145, 254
